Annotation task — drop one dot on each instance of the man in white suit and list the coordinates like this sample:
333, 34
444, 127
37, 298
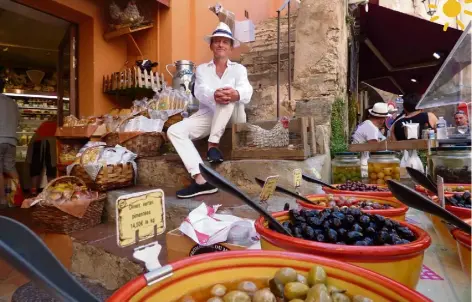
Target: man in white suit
222, 88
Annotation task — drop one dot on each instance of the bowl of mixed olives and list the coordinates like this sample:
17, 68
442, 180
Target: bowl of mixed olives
459, 204
263, 276
359, 188
387, 207
392, 248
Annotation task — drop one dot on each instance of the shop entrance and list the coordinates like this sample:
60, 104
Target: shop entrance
38, 61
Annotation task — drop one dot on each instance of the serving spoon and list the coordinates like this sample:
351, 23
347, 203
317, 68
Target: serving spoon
317, 181
417, 201
223, 184
422, 180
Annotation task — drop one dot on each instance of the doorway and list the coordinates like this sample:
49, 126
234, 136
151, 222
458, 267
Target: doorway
38, 60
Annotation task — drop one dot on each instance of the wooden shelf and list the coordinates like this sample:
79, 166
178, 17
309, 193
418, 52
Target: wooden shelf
125, 31
418, 144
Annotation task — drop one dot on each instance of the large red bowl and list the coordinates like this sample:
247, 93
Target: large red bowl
401, 263
398, 212
173, 281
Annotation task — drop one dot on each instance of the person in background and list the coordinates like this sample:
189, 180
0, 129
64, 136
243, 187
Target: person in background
9, 117
42, 154
461, 118
222, 88
369, 131
424, 119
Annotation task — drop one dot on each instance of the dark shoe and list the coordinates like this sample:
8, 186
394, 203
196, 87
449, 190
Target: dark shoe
195, 189
214, 155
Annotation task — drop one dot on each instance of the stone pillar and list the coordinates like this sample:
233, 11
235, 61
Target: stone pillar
321, 49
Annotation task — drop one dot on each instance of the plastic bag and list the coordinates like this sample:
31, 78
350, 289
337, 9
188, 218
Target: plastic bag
404, 164
415, 162
13, 193
411, 130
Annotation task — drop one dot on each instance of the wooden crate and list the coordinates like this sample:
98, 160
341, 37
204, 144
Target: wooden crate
302, 138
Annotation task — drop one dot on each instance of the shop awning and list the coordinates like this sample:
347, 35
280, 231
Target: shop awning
397, 47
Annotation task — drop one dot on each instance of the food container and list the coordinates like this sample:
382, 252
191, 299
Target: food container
382, 166
346, 166
463, 241
449, 189
192, 274
401, 263
359, 193
397, 213
453, 164
443, 230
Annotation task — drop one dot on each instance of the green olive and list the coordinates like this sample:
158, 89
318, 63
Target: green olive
333, 289
247, 286
316, 290
276, 287
218, 290
338, 297
187, 299
297, 300
359, 298
302, 279
323, 296
286, 275
264, 295
236, 296
316, 275
215, 299
293, 290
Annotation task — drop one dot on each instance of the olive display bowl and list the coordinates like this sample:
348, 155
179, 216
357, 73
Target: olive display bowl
200, 272
397, 213
463, 241
401, 263
359, 193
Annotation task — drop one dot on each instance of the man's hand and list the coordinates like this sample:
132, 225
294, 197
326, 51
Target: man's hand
232, 94
221, 97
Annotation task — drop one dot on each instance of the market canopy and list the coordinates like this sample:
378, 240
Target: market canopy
396, 51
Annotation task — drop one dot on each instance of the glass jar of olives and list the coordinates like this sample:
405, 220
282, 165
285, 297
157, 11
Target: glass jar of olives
345, 166
382, 166
452, 163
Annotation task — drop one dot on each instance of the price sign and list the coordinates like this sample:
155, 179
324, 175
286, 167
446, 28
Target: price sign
140, 216
440, 183
269, 187
297, 177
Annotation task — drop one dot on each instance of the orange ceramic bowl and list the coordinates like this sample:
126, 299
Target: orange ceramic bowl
359, 193
398, 212
462, 213
463, 247
401, 263
199, 272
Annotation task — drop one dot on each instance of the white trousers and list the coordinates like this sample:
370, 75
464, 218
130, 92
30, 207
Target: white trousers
201, 124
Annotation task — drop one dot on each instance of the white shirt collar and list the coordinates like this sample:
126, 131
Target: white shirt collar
227, 63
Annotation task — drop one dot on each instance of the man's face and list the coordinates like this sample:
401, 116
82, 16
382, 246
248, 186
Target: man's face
461, 119
221, 47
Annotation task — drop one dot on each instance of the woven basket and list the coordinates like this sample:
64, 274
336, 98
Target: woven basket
109, 177
53, 220
172, 119
143, 144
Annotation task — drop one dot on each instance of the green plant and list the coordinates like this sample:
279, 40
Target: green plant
352, 114
338, 133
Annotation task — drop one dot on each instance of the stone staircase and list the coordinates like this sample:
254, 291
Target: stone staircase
261, 63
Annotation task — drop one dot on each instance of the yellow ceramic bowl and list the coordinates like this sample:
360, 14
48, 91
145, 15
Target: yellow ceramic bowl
398, 212
443, 230
463, 247
401, 263
200, 272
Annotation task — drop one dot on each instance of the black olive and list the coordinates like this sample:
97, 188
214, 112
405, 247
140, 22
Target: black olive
310, 214
466, 195
395, 223
317, 232
349, 219
373, 225
309, 232
394, 238
286, 224
404, 241
337, 222
388, 223
300, 218
341, 243
356, 228
370, 231
327, 224
320, 238
332, 235
369, 240
383, 237
360, 243
315, 221
298, 232
338, 215
398, 242
379, 218
457, 196
287, 207
356, 212
342, 232
452, 200
354, 236
364, 220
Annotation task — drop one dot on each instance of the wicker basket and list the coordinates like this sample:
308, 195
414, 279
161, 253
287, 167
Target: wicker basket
143, 144
172, 119
109, 177
53, 220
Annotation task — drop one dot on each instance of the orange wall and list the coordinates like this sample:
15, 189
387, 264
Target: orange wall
178, 34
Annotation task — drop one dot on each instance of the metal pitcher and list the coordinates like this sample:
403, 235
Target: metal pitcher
184, 77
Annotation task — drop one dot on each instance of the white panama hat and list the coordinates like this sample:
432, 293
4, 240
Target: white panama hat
380, 110
223, 30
